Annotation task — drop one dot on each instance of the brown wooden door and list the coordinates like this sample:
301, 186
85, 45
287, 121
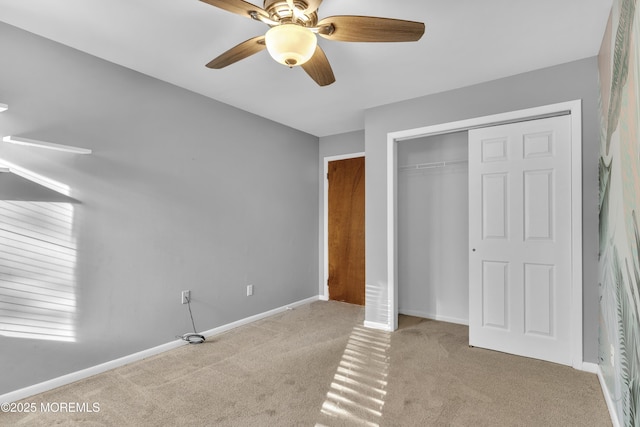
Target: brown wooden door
346, 230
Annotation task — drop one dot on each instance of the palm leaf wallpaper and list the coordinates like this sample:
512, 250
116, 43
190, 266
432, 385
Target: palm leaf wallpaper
619, 203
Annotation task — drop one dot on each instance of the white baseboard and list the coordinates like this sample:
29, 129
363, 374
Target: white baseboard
376, 325
88, 372
432, 316
607, 397
251, 319
23, 393
417, 313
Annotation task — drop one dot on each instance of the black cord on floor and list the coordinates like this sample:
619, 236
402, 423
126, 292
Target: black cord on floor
192, 338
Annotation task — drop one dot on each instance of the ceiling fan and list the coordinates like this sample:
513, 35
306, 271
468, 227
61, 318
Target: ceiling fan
292, 40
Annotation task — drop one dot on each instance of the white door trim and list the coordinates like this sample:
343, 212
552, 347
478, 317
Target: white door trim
324, 286
574, 108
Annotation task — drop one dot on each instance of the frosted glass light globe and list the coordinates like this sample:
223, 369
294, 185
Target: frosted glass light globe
291, 44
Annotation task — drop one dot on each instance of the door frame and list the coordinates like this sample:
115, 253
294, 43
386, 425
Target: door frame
324, 280
574, 109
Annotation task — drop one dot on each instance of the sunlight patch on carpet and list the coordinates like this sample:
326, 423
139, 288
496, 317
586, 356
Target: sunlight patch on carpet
357, 393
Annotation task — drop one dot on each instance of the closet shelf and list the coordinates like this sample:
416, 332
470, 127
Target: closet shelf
431, 165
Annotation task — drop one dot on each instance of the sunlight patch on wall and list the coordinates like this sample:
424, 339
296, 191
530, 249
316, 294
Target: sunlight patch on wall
37, 270
378, 309
357, 393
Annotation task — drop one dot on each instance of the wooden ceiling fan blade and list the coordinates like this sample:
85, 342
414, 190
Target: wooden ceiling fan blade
369, 29
241, 51
319, 69
239, 7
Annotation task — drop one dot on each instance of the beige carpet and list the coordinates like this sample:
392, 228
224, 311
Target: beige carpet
316, 365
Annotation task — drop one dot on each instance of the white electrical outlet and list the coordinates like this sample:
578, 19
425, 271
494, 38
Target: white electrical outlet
185, 296
249, 290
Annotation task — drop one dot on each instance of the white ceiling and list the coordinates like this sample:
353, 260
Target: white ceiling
466, 42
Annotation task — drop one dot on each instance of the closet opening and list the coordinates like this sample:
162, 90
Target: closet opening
433, 227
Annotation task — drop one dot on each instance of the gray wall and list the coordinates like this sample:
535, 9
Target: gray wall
181, 192
575, 80
335, 145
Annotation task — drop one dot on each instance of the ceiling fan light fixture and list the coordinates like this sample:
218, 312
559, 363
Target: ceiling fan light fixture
291, 44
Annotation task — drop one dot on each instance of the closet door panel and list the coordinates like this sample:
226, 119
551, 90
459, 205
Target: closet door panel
539, 299
495, 294
495, 200
538, 205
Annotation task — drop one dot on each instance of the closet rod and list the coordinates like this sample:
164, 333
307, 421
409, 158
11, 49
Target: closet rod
431, 165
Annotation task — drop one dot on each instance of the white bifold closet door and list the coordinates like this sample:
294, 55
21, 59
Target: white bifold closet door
520, 238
